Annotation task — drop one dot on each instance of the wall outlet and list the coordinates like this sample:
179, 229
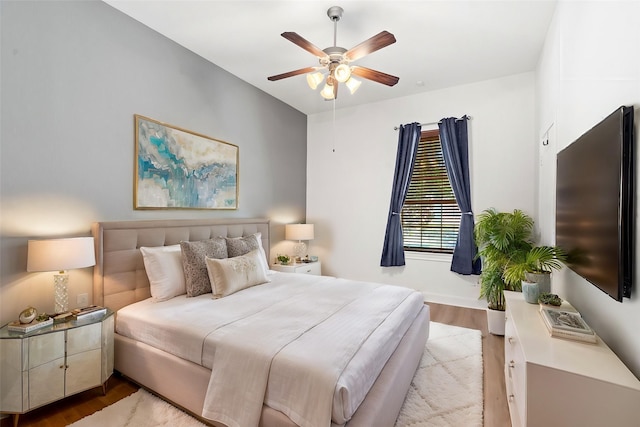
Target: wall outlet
83, 300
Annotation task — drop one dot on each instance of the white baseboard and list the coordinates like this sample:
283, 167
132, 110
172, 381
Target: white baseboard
480, 304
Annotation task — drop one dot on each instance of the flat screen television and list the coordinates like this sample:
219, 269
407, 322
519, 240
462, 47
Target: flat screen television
595, 204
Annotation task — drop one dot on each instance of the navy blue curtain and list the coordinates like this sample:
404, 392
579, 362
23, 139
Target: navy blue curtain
455, 150
393, 249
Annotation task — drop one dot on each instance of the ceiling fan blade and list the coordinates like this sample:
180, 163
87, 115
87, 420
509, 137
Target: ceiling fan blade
304, 43
376, 76
377, 42
291, 73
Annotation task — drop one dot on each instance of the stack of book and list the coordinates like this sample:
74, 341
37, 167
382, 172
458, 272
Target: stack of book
63, 317
567, 324
25, 328
88, 312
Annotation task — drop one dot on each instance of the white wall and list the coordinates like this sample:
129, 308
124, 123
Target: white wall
348, 191
589, 67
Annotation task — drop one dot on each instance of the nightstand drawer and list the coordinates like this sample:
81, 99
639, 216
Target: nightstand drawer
310, 268
305, 268
515, 373
84, 338
45, 348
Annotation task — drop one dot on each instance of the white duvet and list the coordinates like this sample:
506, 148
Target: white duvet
308, 346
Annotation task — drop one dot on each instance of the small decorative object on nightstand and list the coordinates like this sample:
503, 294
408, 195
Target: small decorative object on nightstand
27, 315
283, 259
53, 362
34, 322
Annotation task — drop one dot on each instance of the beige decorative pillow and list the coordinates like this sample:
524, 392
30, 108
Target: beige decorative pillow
195, 266
163, 265
231, 275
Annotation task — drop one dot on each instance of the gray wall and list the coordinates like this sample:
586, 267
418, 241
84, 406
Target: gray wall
73, 76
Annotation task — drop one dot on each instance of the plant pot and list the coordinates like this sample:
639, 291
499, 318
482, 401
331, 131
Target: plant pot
530, 291
542, 279
496, 321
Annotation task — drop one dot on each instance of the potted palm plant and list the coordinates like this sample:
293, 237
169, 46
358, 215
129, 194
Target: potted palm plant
499, 235
533, 268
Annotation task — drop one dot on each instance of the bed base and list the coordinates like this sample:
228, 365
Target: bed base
120, 279
184, 383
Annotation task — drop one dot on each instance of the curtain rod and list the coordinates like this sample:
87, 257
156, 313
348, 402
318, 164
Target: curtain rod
433, 123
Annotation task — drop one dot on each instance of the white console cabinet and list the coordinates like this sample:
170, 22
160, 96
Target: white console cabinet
51, 363
558, 382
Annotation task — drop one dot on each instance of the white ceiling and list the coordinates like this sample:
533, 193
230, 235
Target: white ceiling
440, 43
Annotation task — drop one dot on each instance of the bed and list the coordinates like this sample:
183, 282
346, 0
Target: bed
122, 284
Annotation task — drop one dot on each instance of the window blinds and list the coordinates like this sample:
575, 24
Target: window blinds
430, 216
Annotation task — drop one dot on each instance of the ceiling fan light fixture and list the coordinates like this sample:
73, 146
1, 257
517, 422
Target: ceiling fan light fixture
334, 61
342, 73
314, 79
327, 92
353, 85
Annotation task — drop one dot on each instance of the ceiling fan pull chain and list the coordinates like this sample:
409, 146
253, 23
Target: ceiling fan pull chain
334, 125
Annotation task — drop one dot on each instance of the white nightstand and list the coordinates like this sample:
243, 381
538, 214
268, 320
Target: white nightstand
304, 268
54, 362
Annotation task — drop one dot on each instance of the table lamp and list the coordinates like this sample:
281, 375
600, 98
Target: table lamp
60, 255
299, 232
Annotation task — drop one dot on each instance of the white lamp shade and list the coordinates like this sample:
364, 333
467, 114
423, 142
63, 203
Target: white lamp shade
298, 231
314, 79
353, 85
60, 254
327, 91
342, 73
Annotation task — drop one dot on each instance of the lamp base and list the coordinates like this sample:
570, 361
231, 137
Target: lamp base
60, 293
299, 250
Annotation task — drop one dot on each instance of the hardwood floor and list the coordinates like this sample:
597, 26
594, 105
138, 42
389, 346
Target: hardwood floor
73, 408
496, 412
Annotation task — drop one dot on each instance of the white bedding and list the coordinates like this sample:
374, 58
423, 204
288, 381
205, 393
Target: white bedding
192, 328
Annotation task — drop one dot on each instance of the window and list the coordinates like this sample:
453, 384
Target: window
430, 216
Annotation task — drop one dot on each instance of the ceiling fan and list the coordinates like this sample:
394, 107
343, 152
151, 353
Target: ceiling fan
335, 61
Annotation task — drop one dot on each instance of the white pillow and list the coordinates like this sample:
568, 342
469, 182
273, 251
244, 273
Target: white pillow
164, 270
231, 275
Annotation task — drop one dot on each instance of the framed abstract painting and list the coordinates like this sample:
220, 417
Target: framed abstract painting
179, 169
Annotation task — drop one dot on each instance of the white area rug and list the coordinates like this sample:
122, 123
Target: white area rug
446, 390
447, 387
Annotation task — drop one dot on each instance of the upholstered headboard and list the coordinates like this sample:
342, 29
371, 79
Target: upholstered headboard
119, 277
